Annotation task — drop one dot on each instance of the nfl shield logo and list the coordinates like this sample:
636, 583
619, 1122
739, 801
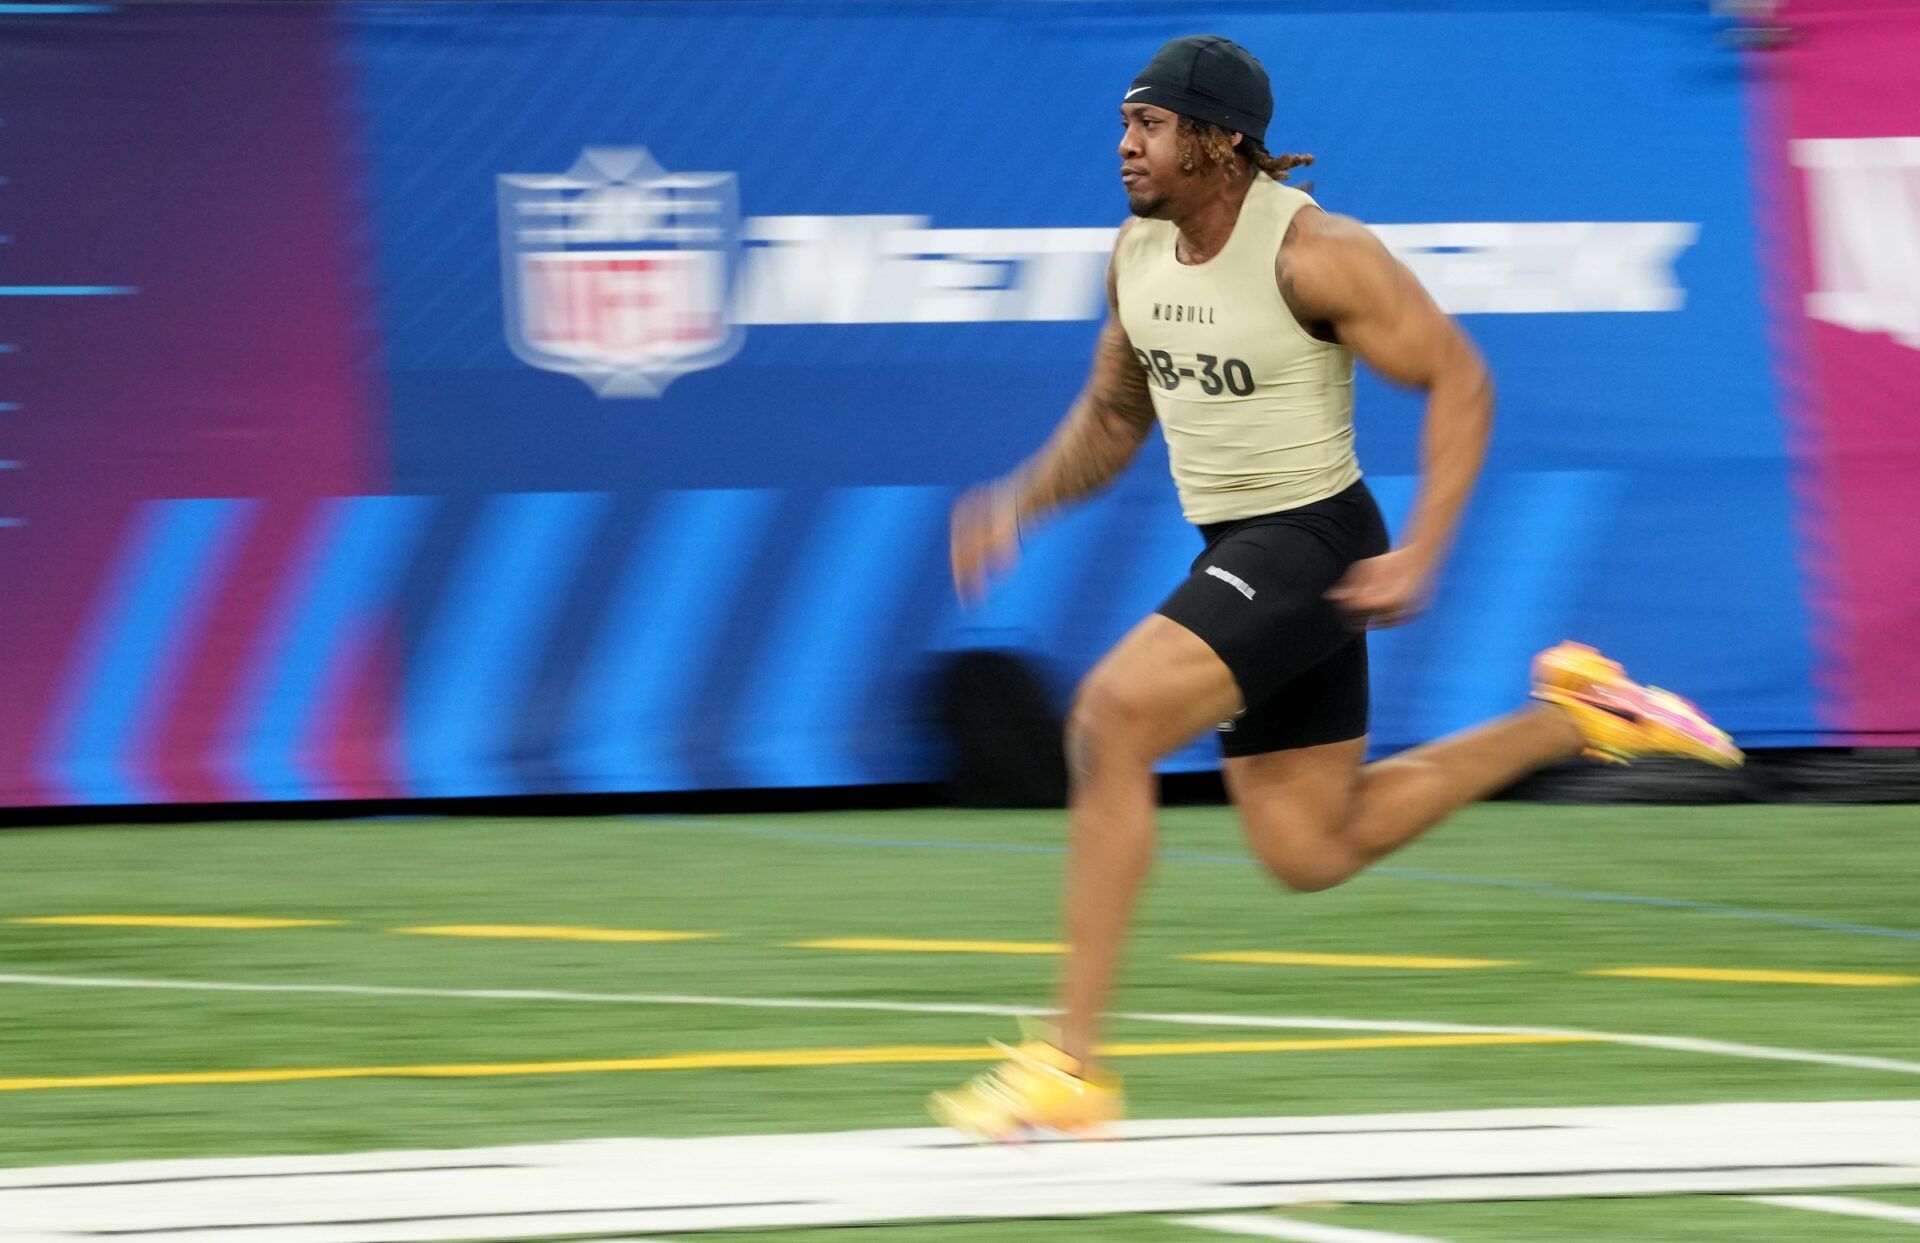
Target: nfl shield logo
620, 272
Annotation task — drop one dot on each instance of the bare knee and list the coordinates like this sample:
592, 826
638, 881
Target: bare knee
1305, 858
1106, 726
1306, 875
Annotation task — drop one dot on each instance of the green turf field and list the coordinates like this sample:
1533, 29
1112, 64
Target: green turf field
1825, 899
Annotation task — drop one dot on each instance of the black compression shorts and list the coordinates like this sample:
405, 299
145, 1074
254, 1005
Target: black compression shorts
1257, 596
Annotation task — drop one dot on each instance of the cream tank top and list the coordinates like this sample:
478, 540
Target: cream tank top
1257, 412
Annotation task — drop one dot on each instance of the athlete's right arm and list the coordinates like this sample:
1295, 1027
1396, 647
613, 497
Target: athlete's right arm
1102, 431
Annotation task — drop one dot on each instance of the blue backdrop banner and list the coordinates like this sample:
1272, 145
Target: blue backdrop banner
683, 324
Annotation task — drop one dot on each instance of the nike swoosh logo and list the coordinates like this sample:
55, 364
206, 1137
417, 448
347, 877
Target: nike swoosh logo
1135, 91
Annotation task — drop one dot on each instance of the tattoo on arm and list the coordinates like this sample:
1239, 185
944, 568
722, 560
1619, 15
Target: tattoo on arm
1315, 322
1282, 265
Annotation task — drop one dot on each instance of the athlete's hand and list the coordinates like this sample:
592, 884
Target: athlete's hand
1388, 590
986, 538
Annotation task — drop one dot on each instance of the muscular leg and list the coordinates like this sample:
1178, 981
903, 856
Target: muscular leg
1158, 687
1315, 816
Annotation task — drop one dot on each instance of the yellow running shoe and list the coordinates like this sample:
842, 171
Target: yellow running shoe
1037, 1088
1622, 720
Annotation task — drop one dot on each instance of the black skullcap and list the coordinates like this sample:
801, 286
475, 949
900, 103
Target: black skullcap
1208, 78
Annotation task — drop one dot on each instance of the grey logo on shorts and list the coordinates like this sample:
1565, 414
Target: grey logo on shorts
1234, 580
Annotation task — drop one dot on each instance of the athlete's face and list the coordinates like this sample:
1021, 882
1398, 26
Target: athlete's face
1149, 157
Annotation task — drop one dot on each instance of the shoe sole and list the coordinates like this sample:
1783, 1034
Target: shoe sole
1691, 734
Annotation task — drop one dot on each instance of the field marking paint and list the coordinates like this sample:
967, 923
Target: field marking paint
1289, 959
233, 922
1673, 1044
1539, 889
889, 945
1266, 1227
536, 932
1845, 1206
541, 994
1738, 975
886, 1055
652, 1187
1189, 1048
893, 945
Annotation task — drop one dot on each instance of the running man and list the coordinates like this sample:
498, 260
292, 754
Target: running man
1236, 307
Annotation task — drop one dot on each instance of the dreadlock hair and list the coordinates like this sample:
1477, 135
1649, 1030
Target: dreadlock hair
1215, 145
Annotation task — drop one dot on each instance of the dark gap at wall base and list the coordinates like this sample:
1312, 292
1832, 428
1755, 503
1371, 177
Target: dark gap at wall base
1830, 775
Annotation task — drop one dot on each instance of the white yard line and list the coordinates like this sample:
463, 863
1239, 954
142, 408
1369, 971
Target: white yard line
1263, 1227
1845, 1206
1675, 1044
1765, 1053
528, 994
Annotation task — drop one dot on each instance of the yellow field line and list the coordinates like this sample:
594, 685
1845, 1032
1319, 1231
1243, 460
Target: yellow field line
1281, 958
177, 921
1736, 975
892, 945
538, 932
894, 1055
889, 945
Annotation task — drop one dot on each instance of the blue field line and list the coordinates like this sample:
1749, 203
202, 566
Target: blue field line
1535, 888
836, 839
54, 10
1678, 904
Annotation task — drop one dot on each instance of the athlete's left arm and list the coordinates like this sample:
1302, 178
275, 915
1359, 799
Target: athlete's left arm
1337, 275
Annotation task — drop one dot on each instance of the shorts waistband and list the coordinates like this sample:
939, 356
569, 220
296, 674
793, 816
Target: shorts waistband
1354, 491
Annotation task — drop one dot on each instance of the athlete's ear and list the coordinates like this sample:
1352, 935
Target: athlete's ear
1236, 139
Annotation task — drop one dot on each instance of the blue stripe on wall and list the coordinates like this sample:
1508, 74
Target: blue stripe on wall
336, 588
1147, 562
1150, 564
481, 643
1397, 658
659, 639
796, 725
1027, 608
169, 570
1505, 594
